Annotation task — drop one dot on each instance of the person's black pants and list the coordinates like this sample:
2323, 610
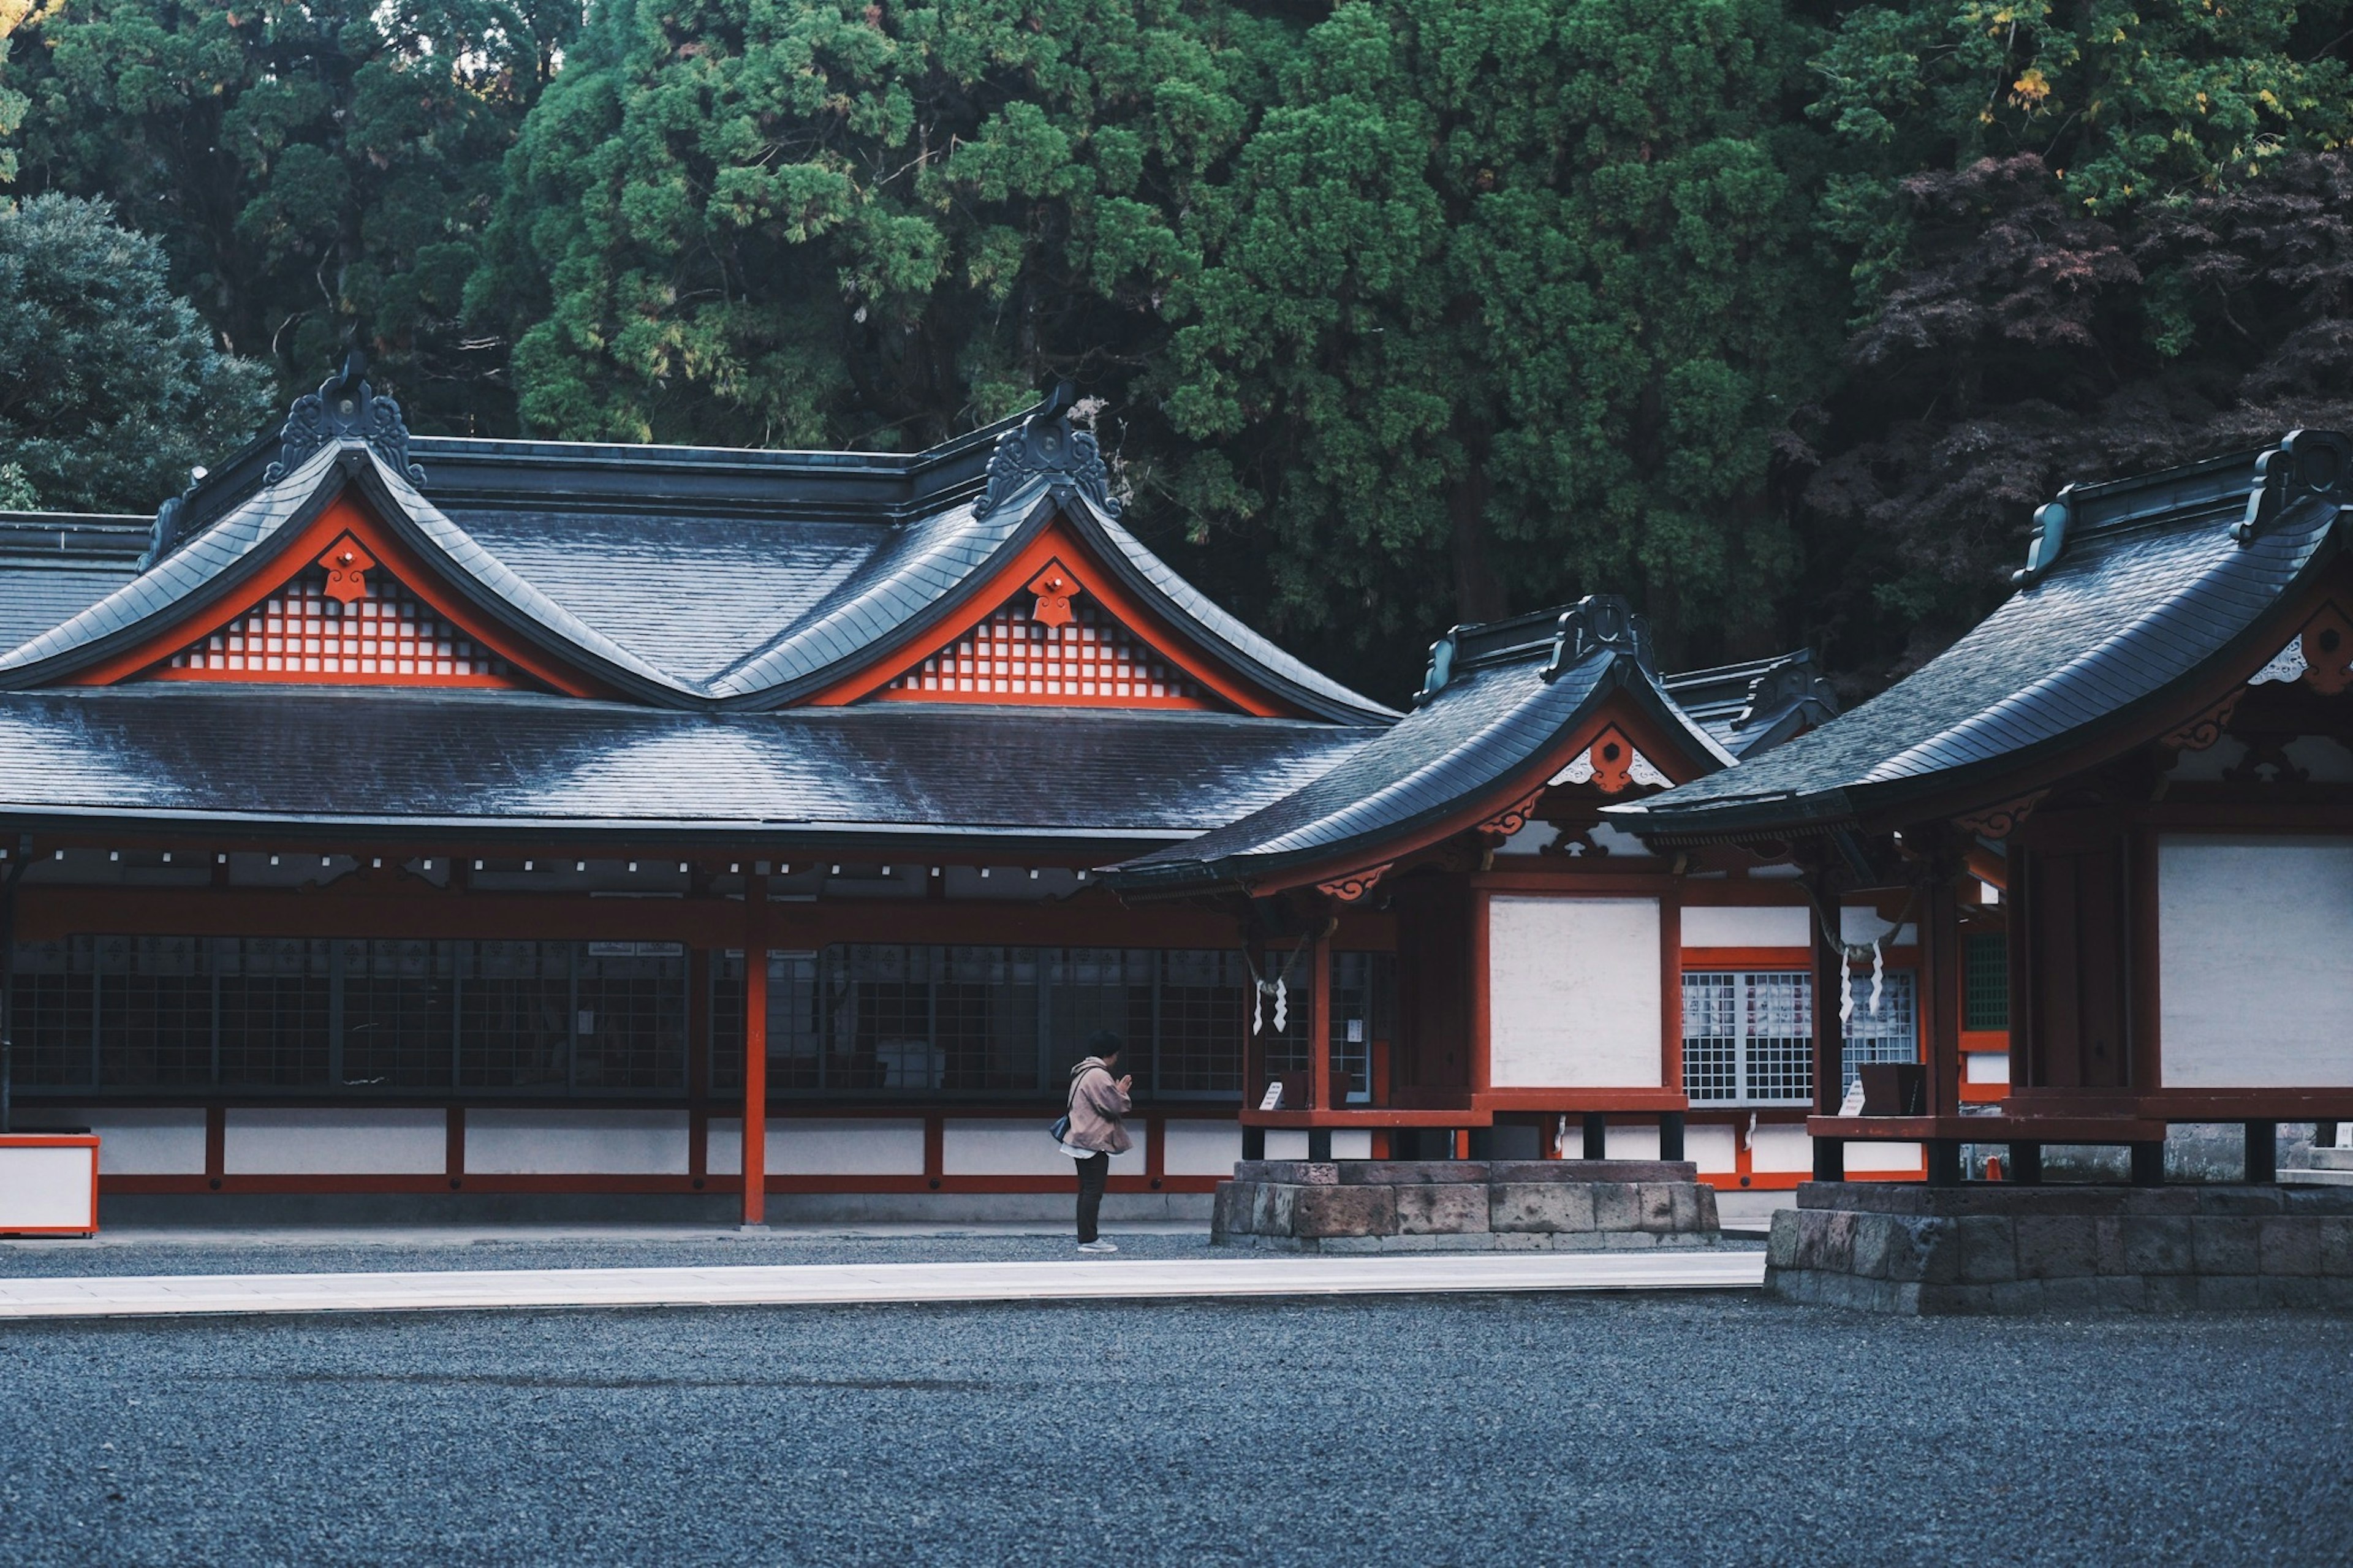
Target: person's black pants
1094, 1172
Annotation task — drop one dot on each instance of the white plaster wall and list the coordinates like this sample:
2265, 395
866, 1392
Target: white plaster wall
1862, 1157
138, 1141
1985, 1066
1573, 993
576, 1142
335, 1143
1203, 1148
2255, 986
822, 1146
1741, 925
1291, 1143
1860, 925
1714, 1148
46, 1189
1626, 1142
1781, 1147
1018, 1147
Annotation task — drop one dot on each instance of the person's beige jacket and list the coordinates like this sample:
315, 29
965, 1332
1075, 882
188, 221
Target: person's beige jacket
1096, 1106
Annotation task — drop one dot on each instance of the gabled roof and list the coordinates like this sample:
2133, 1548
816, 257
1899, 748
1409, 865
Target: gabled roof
1753, 706
679, 577
2135, 592
1501, 700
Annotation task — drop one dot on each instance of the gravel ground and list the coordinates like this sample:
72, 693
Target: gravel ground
1499, 1429
352, 1252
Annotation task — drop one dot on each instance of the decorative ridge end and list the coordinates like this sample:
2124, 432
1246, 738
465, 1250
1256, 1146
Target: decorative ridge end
1596, 622
345, 408
1442, 655
1048, 445
2051, 521
1785, 684
2305, 463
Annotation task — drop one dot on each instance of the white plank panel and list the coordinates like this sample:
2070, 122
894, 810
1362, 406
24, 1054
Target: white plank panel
1573, 993
2256, 991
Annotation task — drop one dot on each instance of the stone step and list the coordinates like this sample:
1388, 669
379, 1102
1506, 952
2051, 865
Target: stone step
2332, 1159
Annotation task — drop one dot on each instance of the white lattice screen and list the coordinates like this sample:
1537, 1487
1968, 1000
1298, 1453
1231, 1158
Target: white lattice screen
1093, 661
390, 637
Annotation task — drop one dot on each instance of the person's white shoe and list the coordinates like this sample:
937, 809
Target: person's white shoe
1098, 1247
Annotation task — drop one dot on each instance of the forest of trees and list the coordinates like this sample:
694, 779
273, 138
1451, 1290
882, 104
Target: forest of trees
1780, 316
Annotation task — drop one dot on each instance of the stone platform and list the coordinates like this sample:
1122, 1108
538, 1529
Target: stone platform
1464, 1205
1996, 1247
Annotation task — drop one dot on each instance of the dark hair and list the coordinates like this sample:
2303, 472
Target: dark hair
1105, 1042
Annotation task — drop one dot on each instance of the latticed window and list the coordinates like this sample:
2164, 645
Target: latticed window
389, 637
1890, 1033
1361, 983
1985, 978
307, 1014
887, 1019
796, 1022
1204, 1008
276, 999
55, 1014
154, 1010
399, 1012
629, 1017
1748, 1038
1748, 1035
515, 1014
1090, 661
1090, 989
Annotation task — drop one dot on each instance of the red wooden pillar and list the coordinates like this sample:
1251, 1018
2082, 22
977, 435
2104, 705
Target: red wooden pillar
1830, 1029
1319, 1020
755, 1050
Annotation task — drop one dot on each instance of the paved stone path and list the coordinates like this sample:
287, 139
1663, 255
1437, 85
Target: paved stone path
180, 1295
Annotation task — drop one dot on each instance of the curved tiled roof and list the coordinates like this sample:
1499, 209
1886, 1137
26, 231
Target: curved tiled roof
2124, 621
409, 759
1476, 736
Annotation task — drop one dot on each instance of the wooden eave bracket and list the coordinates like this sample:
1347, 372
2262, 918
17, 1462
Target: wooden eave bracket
1355, 885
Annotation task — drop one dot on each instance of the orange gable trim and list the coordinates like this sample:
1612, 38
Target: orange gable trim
343, 528
1042, 571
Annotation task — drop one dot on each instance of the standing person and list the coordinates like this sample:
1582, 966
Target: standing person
1098, 1100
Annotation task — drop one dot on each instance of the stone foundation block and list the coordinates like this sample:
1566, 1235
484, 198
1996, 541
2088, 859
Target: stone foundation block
1432, 1209
1989, 1249
1344, 1211
2057, 1247
1463, 1205
1547, 1206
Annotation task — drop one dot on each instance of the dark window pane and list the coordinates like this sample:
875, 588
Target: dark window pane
275, 994
514, 1026
397, 1013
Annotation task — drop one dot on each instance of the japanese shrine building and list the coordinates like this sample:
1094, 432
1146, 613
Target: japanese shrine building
391, 817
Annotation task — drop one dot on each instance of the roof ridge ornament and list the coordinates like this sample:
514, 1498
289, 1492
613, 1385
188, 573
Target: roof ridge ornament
2305, 463
2051, 521
345, 408
1598, 622
1788, 682
1047, 444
